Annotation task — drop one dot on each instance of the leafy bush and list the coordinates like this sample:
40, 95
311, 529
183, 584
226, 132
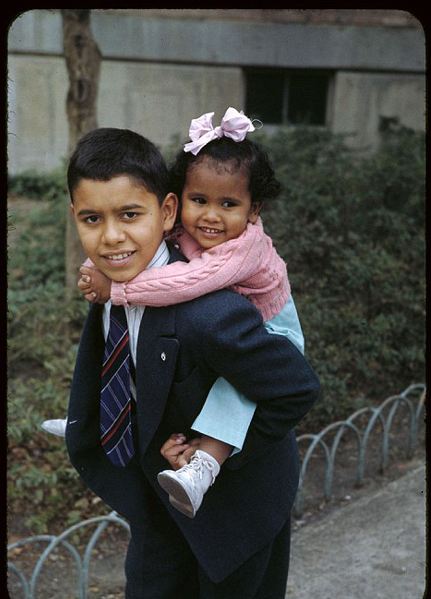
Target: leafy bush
43, 335
351, 229
32, 184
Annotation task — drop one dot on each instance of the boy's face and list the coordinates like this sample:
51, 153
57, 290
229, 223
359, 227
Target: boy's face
121, 224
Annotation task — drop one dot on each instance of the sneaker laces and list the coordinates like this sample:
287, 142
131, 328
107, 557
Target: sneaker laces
197, 464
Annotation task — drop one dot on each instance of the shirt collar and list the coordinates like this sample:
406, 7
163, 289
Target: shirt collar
161, 257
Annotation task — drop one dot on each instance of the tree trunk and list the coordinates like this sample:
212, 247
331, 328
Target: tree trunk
83, 59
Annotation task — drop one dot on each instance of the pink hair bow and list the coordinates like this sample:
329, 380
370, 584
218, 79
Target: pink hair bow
234, 124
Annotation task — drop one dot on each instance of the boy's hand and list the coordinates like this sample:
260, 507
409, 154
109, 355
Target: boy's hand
177, 451
94, 285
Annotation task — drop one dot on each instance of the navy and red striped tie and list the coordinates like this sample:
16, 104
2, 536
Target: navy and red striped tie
116, 400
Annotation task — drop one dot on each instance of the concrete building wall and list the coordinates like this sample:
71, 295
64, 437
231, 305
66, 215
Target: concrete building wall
236, 42
159, 71
157, 101
37, 123
332, 16
362, 99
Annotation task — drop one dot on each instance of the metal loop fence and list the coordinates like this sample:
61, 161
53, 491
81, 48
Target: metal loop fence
412, 399
361, 424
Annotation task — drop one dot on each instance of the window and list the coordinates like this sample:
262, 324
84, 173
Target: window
287, 97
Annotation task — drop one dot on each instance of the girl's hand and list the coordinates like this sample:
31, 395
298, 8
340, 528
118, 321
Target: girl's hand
94, 285
177, 451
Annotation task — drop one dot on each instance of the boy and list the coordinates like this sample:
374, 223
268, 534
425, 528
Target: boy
238, 544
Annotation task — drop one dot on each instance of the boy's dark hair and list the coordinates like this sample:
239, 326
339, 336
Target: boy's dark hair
107, 152
246, 154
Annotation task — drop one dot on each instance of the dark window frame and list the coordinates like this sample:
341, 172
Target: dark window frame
285, 106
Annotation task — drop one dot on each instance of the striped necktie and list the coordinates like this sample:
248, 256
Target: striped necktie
115, 401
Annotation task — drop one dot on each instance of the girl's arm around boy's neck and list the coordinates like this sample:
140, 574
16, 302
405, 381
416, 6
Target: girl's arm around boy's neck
249, 260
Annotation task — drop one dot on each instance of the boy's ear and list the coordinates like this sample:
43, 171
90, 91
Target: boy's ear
254, 213
169, 210
72, 209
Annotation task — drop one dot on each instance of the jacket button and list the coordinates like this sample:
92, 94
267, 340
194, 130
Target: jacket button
163, 356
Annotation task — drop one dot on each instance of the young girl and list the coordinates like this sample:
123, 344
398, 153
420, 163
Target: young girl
222, 180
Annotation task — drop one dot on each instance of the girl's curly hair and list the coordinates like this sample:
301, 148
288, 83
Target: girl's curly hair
247, 155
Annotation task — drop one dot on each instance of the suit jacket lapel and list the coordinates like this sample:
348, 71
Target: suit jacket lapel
156, 360
157, 351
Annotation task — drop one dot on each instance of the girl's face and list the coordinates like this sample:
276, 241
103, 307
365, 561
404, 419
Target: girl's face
216, 202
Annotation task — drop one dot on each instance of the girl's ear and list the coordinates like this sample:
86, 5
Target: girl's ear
254, 212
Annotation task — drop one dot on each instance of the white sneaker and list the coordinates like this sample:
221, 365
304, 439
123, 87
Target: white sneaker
187, 486
184, 508
55, 427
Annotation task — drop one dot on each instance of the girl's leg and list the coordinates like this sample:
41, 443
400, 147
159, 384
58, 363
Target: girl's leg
223, 423
217, 449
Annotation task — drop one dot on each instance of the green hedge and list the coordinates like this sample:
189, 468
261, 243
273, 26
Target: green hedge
34, 185
351, 229
43, 335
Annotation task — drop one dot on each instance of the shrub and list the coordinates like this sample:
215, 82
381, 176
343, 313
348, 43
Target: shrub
43, 334
351, 229
34, 185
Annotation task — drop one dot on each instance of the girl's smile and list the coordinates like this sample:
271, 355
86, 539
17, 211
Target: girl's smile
216, 202
209, 233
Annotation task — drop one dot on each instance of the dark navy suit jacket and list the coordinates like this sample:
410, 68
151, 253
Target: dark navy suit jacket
181, 350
